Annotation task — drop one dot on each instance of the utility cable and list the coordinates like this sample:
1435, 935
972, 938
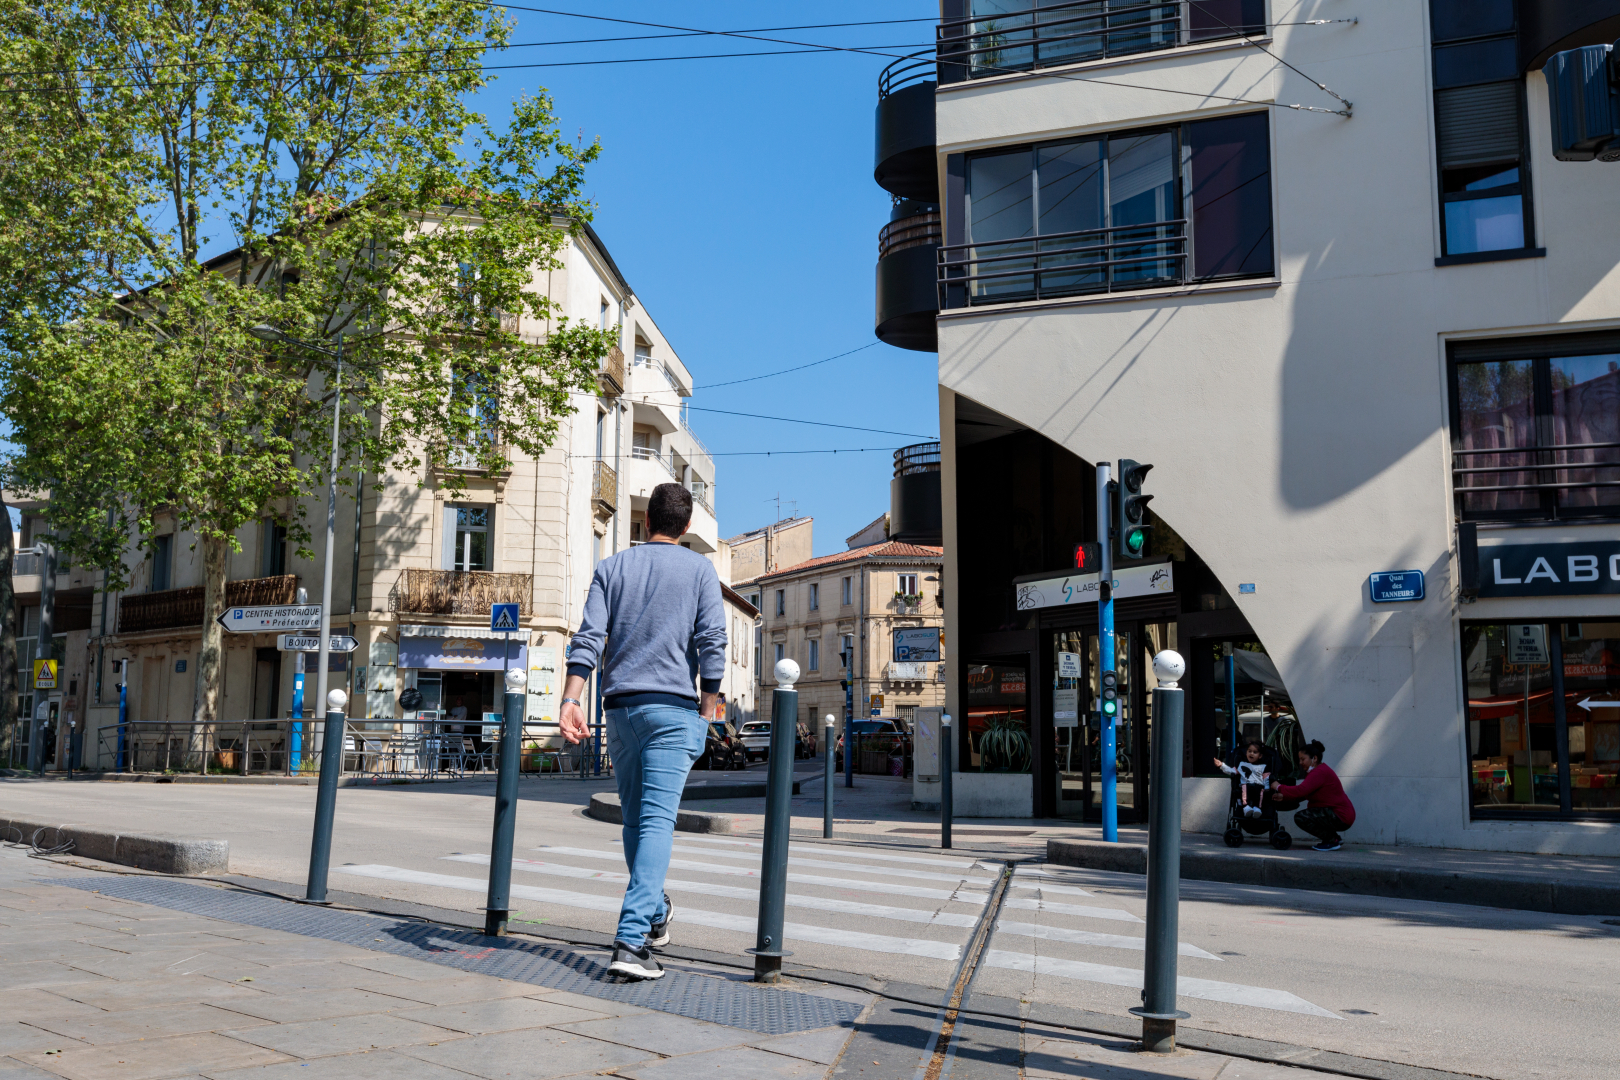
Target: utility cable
813, 423
1200, 4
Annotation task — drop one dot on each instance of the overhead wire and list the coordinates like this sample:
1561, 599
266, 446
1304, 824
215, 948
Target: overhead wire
1201, 5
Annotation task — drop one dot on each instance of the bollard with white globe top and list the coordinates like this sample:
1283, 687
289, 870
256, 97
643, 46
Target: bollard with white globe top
320, 849
1158, 1009
767, 950
497, 907
827, 778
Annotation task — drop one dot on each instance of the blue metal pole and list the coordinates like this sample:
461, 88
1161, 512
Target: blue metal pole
849, 722
295, 761
1105, 631
1231, 696
596, 724
123, 711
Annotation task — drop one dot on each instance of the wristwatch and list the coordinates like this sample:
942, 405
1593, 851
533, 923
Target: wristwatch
572, 701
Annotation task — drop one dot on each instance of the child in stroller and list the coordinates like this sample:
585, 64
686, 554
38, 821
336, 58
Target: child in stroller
1252, 806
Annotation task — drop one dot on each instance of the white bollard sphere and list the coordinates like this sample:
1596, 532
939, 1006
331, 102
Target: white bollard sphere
336, 700
787, 673
1169, 667
832, 720
516, 678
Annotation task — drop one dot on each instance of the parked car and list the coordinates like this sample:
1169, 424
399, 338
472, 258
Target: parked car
722, 748
756, 738
879, 734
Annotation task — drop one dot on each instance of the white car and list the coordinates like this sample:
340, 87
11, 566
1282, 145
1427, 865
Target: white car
756, 737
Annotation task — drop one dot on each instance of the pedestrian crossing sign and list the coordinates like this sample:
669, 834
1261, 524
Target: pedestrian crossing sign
503, 617
44, 674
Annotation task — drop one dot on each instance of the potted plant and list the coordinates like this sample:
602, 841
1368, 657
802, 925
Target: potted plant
1004, 746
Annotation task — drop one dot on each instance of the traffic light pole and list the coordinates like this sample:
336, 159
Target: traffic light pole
1105, 631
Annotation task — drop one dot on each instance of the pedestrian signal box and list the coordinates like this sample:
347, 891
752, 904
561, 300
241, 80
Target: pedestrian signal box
1088, 558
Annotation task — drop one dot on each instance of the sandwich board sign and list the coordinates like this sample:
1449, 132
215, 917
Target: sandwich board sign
503, 618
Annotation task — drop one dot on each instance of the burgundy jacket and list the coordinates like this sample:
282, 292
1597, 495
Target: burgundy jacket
1321, 786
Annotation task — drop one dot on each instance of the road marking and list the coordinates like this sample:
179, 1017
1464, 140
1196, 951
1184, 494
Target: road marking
1087, 937
961, 864
802, 879
1032, 903
848, 939
818, 903
1254, 996
800, 860
1041, 886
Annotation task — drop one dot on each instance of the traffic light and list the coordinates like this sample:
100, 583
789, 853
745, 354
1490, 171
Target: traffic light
1110, 695
1088, 558
1130, 510
1583, 89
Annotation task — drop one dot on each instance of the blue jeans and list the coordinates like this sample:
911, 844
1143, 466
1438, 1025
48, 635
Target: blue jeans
653, 748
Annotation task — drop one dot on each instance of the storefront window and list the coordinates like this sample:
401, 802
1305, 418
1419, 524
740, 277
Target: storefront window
1247, 701
1518, 717
998, 718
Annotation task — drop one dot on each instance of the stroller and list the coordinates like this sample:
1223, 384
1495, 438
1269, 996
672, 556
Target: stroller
1267, 823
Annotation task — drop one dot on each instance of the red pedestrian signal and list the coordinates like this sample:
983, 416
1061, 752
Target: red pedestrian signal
1088, 558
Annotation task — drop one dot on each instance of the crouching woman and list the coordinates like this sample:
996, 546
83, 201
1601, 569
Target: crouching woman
1329, 811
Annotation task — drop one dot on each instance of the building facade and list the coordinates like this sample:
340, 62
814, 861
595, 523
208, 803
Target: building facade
1350, 339
416, 570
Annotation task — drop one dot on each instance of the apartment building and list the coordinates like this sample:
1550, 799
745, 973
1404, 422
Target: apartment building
1351, 338
415, 572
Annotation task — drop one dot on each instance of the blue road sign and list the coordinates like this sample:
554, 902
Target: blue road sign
1392, 586
504, 617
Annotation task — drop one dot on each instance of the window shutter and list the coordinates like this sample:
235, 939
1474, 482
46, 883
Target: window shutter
449, 538
1478, 124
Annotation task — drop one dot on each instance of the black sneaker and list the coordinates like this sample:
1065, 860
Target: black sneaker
658, 935
634, 963
1327, 846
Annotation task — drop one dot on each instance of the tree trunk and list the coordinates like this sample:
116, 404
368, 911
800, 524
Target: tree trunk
216, 561
8, 636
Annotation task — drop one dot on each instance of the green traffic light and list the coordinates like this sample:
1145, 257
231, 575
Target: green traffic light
1135, 541
1110, 707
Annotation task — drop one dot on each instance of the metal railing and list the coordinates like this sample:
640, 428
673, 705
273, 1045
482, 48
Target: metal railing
183, 608
1042, 36
460, 592
700, 494
913, 68
604, 487
1114, 259
1546, 475
611, 373
650, 453
918, 230
25, 564
916, 458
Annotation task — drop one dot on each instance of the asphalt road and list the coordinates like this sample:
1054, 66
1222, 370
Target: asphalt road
1478, 990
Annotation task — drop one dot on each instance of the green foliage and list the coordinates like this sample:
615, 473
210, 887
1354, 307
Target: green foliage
1004, 745
327, 148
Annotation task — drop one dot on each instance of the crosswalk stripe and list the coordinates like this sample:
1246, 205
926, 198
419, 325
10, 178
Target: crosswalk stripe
849, 939
1087, 937
823, 864
1033, 903
1233, 993
675, 885
961, 864
1043, 887
803, 879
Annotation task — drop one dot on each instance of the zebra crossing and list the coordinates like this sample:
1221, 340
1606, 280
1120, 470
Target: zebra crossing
892, 914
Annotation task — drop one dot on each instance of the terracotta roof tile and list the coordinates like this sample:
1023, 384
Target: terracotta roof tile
889, 549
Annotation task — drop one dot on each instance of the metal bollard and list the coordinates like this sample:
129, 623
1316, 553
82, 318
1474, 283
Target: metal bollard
946, 749
497, 907
1158, 1010
767, 950
827, 780
320, 850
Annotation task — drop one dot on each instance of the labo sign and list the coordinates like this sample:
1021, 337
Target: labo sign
1579, 569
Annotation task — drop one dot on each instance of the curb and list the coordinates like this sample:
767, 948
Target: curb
605, 807
146, 851
728, 789
1478, 890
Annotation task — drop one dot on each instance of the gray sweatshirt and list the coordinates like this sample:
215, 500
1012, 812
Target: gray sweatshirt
654, 621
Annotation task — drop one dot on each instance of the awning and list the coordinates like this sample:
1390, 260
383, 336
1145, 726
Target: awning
423, 630
459, 648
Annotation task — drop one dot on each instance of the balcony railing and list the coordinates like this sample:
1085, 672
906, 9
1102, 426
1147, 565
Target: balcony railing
1510, 483
23, 565
686, 425
460, 592
916, 458
611, 374
1115, 259
183, 608
700, 494
604, 488
1043, 36
650, 453
913, 68
918, 230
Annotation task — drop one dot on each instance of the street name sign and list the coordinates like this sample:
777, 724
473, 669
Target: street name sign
504, 618
312, 643
1394, 586
263, 620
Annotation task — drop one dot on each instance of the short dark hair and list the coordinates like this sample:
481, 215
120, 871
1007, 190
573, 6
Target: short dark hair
1314, 749
669, 510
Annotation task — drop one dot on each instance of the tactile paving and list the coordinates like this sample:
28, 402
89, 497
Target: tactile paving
767, 1010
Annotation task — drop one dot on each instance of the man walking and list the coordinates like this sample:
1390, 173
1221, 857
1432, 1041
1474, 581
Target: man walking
655, 623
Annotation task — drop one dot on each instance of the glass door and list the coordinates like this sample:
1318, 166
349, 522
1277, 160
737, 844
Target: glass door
1073, 729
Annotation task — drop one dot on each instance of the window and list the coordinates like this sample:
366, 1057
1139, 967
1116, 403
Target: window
780, 651
162, 563
781, 601
601, 435
906, 584
1110, 212
983, 38
1479, 122
274, 557
1536, 428
604, 315
848, 590
467, 540
815, 597
815, 654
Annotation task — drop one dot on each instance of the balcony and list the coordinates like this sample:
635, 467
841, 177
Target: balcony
604, 489
610, 376
174, 609
1119, 258
460, 592
908, 263
904, 161
914, 495
700, 490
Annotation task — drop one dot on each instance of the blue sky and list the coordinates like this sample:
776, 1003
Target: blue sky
737, 198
